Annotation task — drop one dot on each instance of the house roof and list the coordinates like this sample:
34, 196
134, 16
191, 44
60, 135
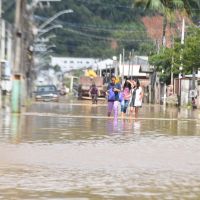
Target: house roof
140, 66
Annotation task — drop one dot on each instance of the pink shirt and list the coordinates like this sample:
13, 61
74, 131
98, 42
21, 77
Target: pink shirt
127, 93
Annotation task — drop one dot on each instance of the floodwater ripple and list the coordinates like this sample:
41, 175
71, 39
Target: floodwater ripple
63, 155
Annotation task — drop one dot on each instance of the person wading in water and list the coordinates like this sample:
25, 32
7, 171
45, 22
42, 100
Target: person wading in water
113, 90
94, 93
136, 100
126, 97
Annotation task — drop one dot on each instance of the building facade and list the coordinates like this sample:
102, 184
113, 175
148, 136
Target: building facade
71, 63
6, 55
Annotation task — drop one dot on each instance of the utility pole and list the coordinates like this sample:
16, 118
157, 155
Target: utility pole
3, 42
181, 66
120, 65
132, 57
115, 65
106, 73
0, 57
129, 64
172, 66
123, 55
183, 31
17, 68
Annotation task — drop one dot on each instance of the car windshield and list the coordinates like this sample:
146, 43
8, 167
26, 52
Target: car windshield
46, 89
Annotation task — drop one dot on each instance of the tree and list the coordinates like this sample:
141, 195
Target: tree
162, 63
94, 25
191, 50
190, 60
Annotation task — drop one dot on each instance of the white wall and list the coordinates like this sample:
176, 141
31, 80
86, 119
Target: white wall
131, 70
70, 63
185, 87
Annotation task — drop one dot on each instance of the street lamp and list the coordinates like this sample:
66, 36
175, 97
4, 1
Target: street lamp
45, 39
51, 46
43, 31
54, 17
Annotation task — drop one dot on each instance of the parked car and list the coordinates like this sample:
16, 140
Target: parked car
46, 93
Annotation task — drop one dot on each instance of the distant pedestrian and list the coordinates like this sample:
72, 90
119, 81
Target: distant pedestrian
63, 90
113, 91
136, 99
126, 91
94, 93
194, 106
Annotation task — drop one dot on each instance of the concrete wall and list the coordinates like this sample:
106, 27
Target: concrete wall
185, 87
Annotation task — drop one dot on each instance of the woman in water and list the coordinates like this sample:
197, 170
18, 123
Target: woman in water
137, 95
126, 97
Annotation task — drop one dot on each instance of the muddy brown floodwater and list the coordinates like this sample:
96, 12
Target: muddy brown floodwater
72, 151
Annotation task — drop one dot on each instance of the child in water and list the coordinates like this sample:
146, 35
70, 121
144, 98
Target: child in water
126, 97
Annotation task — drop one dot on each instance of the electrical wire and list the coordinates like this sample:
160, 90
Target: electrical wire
94, 27
106, 38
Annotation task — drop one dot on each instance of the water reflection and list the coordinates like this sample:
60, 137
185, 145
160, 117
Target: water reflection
16, 127
51, 127
117, 126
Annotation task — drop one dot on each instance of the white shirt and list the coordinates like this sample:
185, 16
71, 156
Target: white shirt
138, 99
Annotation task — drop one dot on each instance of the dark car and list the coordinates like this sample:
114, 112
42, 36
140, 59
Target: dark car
46, 93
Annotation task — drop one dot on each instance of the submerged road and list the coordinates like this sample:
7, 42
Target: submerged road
71, 150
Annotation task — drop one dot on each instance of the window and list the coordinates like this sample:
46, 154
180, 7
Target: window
48, 88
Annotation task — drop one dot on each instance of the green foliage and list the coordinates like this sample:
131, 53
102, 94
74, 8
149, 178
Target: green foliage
147, 49
186, 55
8, 8
98, 28
57, 68
191, 50
163, 63
101, 28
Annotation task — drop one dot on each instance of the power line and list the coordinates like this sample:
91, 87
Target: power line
94, 27
105, 29
106, 38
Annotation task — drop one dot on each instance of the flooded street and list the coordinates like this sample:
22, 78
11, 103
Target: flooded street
72, 151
